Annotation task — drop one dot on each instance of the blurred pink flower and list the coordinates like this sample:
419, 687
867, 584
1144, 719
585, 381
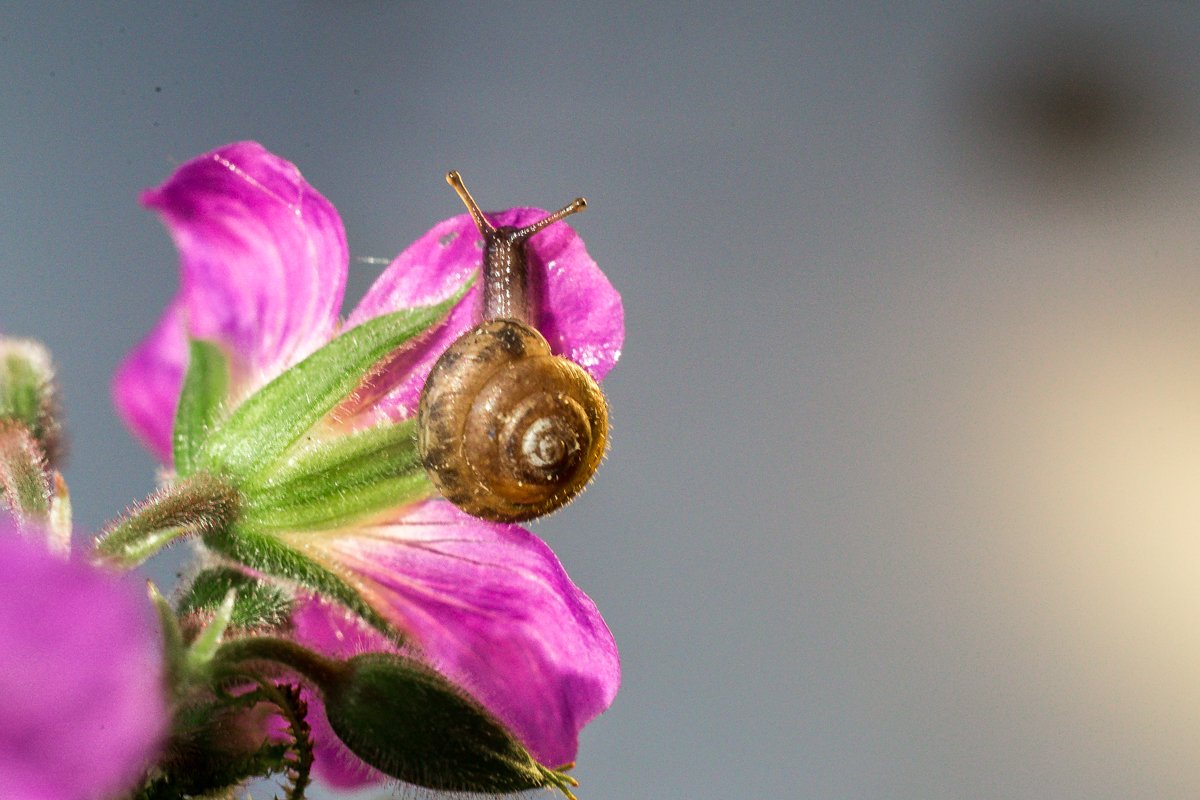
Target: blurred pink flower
81, 676
263, 269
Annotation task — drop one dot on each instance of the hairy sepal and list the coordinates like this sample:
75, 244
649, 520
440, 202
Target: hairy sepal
29, 393
174, 649
270, 421
258, 606
24, 483
204, 390
333, 482
265, 553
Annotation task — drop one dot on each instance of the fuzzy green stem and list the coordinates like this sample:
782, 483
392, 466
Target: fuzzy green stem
320, 671
196, 505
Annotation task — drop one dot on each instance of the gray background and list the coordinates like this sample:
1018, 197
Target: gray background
902, 501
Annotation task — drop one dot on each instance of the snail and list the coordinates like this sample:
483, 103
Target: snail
507, 430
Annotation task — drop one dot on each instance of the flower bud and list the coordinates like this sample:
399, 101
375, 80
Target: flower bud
260, 606
24, 484
409, 722
406, 720
29, 394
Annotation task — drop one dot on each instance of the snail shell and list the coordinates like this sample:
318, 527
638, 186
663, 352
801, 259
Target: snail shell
506, 430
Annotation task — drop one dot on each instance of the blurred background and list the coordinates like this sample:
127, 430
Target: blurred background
904, 497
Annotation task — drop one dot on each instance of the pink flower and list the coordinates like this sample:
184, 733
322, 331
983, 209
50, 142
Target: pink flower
264, 262
81, 676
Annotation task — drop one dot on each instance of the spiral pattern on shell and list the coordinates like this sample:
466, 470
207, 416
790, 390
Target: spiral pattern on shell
507, 430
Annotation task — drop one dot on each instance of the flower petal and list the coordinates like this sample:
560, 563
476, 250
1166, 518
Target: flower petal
263, 257
576, 308
329, 629
492, 609
145, 388
82, 676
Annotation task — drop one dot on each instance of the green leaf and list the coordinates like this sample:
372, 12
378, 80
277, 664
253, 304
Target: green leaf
259, 604
273, 418
204, 390
336, 481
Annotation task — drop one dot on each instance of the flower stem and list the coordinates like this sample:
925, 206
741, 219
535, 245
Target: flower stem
320, 671
198, 504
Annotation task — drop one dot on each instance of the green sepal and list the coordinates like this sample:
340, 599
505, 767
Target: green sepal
25, 488
259, 605
21, 381
200, 400
273, 418
29, 393
174, 650
265, 553
208, 641
336, 481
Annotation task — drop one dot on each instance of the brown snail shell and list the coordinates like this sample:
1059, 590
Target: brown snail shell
507, 430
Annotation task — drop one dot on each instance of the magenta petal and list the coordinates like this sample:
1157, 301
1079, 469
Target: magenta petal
492, 609
577, 309
333, 763
263, 257
81, 676
146, 386
331, 630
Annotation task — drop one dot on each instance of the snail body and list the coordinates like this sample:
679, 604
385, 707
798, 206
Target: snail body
507, 430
